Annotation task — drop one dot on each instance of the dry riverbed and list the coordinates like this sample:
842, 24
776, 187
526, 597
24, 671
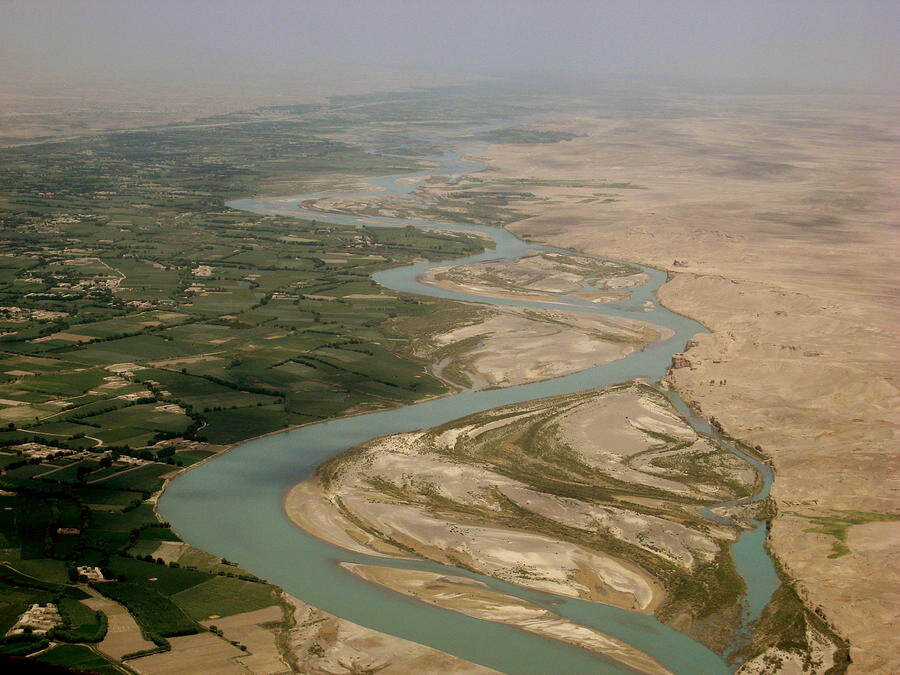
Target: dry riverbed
473, 598
323, 644
781, 238
495, 346
543, 276
591, 495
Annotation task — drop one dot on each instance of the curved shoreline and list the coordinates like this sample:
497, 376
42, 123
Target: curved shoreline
490, 606
657, 357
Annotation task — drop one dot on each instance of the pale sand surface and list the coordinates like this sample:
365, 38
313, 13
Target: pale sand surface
68, 337
513, 349
786, 241
489, 291
170, 551
323, 644
519, 556
790, 663
440, 494
470, 597
540, 276
506, 346
180, 361
304, 506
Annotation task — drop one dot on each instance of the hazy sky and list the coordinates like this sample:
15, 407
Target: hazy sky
823, 43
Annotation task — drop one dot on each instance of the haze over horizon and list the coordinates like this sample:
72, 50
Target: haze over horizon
805, 44
466, 338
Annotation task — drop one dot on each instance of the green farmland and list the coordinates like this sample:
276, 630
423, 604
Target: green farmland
145, 326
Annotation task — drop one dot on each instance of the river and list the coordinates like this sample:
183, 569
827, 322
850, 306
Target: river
233, 506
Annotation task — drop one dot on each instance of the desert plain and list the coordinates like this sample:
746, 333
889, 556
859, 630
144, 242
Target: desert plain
777, 219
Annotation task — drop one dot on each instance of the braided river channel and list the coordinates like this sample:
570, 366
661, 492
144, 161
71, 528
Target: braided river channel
232, 506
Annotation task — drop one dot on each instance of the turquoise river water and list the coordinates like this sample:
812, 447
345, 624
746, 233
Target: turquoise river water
233, 506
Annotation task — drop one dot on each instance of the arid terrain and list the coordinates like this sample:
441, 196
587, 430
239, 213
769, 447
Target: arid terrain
468, 338
777, 219
322, 644
591, 496
487, 346
464, 595
542, 276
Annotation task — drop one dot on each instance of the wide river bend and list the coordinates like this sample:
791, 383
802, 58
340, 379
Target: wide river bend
233, 506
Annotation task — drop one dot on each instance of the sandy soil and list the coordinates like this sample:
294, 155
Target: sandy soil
170, 551
201, 653
470, 597
323, 644
124, 635
184, 361
439, 494
72, 108
542, 276
526, 558
508, 346
255, 631
305, 507
491, 291
790, 663
778, 221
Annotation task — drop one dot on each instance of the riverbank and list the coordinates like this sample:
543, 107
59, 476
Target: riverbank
793, 271
612, 520
460, 594
320, 643
495, 346
264, 470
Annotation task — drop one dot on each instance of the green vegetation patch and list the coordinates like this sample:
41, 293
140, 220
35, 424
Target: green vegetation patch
525, 136
157, 534
223, 596
142, 516
784, 624
44, 569
149, 347
22, 645
80, 622
226, 427
837, 525
79, 658
13, 578
63, 384
157, 615
158, 578
146, 477
189, 457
